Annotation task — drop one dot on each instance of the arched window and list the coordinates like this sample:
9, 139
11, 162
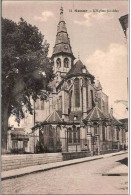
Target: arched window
117, 131
70, 135
77, 92
78, 133
95, 128
103, 132
58, 62
85, 84
70, 101
66, 63
74, 134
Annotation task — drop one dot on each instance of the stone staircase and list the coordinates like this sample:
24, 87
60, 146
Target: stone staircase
10, 162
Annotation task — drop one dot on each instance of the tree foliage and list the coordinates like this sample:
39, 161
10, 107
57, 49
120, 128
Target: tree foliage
24, 58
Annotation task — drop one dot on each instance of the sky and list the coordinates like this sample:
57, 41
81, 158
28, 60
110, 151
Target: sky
97, 37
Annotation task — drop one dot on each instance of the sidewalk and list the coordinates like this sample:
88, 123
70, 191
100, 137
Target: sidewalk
33, 169
121, 170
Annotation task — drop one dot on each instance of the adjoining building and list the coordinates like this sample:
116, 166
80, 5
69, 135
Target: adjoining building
75, 116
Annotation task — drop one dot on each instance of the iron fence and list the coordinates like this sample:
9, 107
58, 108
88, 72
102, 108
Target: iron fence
29, 144
109, 145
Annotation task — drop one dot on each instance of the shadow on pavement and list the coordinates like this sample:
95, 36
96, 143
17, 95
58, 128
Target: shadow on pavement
123, 161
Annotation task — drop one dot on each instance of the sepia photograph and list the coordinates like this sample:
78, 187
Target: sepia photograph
64, 105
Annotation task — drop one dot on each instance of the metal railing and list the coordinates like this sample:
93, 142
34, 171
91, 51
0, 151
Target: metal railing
27, 144
24, 144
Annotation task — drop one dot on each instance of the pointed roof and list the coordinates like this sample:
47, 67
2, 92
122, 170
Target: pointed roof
95, 114
77, 68
62, 43
54, 117
115, 121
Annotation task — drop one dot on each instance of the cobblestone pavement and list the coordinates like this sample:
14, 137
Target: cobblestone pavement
83, 178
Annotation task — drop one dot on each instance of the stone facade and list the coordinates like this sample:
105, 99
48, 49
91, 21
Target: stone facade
65, 121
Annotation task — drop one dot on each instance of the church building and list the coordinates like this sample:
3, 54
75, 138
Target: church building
75, 116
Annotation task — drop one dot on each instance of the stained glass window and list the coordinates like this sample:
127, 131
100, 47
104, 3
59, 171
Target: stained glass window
77, 92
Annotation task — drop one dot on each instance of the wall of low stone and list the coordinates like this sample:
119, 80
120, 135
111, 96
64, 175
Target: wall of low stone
74, 155
10, 162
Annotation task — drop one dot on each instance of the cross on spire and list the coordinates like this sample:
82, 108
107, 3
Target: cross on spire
61, 14
78, 56
61, 10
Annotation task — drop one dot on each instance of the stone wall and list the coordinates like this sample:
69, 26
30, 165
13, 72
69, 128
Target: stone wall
74, 155
10, 162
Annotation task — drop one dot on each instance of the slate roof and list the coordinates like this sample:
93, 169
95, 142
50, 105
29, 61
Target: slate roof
77, 68
95, 114
115, 121
54, 117
62, 43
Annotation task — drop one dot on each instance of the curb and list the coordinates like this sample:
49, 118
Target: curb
59, 166
115, 174
50, 168
120, 153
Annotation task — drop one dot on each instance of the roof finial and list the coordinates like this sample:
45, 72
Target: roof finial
61, 14
78, 56
61, 10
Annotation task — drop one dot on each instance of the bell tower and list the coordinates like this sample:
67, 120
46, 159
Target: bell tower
62, 52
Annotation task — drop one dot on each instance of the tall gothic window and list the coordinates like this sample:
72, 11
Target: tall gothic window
77, 92
95, 128
92, 101
74, 134
78, 133
70, 135
117, 131
58, 62
66, 63
70, 99
103, 132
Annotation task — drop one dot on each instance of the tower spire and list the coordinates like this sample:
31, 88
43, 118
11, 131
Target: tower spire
62, 43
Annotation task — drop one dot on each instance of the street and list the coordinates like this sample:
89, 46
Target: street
83, 178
